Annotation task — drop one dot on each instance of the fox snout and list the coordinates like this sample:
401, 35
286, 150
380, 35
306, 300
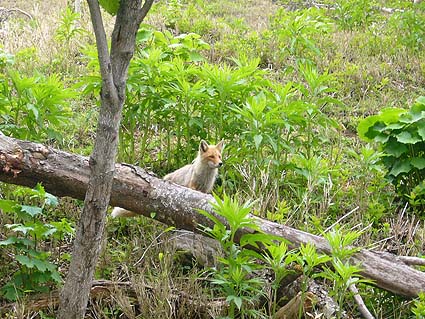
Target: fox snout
215, 165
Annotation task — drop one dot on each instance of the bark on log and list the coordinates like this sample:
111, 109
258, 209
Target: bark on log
65, 174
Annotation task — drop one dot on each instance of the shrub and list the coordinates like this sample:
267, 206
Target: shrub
25, 237
400, 135
33, 107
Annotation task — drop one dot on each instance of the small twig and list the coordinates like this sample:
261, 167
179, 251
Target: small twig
150, 245
376, 244
16, 10
359, 301
341, 218
389, 10
412, 261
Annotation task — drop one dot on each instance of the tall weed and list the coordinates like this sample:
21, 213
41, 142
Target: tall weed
33, 107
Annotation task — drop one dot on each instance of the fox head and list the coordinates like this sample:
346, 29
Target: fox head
211, 154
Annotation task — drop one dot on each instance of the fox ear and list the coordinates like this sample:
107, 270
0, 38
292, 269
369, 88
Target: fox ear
203, 147
220, 145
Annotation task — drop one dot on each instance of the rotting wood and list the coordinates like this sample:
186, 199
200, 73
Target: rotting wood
64, 174
292, 309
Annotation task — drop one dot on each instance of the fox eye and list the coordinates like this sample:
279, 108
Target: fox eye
211, 156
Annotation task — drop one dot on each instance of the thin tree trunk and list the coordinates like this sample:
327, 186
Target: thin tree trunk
113, 69
64, 174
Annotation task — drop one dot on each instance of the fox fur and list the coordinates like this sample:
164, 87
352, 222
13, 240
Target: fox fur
200, 175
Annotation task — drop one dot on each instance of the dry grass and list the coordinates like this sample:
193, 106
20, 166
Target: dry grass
20, 32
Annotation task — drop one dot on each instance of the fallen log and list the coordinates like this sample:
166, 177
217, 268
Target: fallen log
64, 174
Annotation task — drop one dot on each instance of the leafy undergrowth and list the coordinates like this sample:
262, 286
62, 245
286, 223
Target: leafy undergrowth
286, 85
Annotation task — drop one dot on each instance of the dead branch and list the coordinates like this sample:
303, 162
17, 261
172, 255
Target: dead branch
359, 301
412, 261
64, 174
8, 12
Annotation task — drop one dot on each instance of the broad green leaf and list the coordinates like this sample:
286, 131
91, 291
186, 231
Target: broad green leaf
407, 138
365, 125
395, 148
421, 131
9, 241
7, 205
110, 6
368, 126
20, 228
411, 117
418, 162
144, 35
421, 100
419, 105
394, 126
17, 241
370, 129
257, 140
56, 276
10, 292
400, 167
391, 114
48, 232
195, 56
31, 210
25, 261
51, 200
42, 265
381, 138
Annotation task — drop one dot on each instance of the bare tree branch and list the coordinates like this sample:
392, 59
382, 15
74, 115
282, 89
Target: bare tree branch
361, 305
102, 49
145, 9
412, 261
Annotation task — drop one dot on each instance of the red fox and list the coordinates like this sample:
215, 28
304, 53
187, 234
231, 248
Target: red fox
200, 175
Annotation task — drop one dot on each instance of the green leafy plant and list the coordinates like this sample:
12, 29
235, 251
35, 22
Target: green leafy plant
34, 107
111, 6
400, 135
419, 306
409, 28
278, 259
234, 275
6, 60
308, 259
352, 15
295, 33
68, 27
343, 274
36, 272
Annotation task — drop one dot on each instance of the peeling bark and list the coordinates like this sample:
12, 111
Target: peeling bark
64, 174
